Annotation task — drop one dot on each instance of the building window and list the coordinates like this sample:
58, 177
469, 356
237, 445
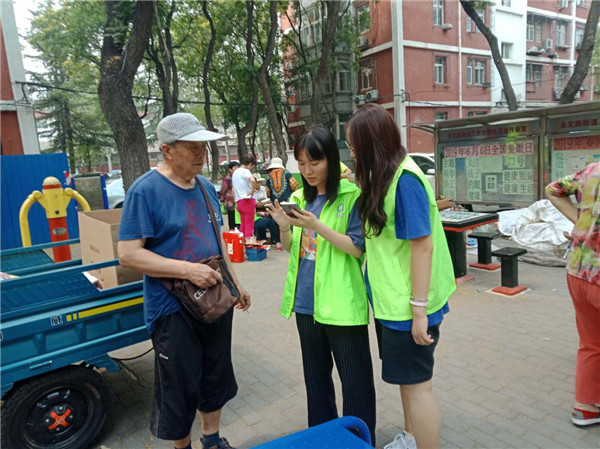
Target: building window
327, 87
438, 12
476, 113
530, 32
475, 72
579, 36
441, 116
534, 74
583, 3
561, 75
471, 27
344, 81
440, 69
538, 31
363, 16
305, 89
317, 32
561, 34
506, 50
366, 76
469, 72
506, 3
479, 72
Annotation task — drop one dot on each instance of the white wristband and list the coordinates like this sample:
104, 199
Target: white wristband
419, 303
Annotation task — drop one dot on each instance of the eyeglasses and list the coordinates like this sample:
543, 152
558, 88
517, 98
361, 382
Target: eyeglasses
350, 147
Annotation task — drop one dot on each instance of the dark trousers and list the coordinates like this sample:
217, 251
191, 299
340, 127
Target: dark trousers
231, 220
261, 225
349, 346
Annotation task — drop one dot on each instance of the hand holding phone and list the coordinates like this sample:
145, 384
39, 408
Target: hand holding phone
288, 207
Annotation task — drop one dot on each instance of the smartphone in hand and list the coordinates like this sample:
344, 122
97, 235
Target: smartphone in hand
287, 207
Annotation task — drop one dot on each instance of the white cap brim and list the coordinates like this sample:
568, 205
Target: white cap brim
203, 135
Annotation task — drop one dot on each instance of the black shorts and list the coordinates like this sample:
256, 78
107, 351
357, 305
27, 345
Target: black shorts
403, 361
192, 371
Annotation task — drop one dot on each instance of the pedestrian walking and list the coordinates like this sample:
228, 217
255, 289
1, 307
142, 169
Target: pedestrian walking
324, 285
409, 272
583, 280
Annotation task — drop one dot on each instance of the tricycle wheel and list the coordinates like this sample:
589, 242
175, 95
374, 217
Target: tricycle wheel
64, 409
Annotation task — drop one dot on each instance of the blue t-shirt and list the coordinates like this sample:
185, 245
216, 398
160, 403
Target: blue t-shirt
412, 222
305, 286
175, 223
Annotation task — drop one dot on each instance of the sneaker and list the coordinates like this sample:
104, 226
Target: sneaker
222, 444
279, 246
584, 417
403, 440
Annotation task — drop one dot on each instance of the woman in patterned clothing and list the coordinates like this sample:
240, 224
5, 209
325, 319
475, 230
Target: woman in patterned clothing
226, 194
583, 279
280, 182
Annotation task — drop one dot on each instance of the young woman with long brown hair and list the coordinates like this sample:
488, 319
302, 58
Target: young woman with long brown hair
409, 272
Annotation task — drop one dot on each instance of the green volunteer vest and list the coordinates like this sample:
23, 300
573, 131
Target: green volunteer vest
340, 294
388, 259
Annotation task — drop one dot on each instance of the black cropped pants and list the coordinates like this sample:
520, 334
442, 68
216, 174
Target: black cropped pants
321, 344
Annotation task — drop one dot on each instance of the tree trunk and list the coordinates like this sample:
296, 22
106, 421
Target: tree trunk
118, 66
509, 93
214, 149
70, 147
264, 83
585, 55
243, 132
166, 67
334, 8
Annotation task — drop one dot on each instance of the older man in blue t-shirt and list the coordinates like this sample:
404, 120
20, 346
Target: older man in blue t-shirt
166, 228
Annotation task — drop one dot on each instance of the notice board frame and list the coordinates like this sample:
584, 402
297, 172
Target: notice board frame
492, 164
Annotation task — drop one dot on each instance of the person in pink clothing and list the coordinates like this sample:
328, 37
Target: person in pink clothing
583, 279
244, 186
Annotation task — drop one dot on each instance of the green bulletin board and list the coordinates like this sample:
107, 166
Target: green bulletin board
489, 164
574, 143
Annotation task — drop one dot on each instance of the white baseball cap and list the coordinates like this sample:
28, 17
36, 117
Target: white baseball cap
186, 127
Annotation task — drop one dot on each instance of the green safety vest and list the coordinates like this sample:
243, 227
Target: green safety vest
339, 288
388, 259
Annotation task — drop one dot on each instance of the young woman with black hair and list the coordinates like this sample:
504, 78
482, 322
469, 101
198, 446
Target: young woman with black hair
324, 284
409, 271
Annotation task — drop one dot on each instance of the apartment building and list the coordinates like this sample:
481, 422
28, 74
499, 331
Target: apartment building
426, 60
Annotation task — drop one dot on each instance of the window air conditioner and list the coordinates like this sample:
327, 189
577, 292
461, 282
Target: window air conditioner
447, 26
359, 99
372, 95
363, 42
562, 4
548, 44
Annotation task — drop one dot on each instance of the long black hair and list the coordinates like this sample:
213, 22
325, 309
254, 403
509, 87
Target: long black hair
320, 144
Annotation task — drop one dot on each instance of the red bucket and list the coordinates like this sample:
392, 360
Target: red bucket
235, 246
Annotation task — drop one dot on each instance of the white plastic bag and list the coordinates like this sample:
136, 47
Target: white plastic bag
539, 229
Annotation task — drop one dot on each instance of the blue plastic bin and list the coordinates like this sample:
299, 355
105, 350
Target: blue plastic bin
333, 434
256, 254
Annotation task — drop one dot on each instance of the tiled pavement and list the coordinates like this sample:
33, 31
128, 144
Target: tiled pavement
504, 372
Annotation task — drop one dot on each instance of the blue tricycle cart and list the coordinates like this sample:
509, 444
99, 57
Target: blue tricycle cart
56, 327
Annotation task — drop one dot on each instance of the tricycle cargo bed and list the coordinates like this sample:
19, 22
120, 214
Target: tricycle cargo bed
58, 317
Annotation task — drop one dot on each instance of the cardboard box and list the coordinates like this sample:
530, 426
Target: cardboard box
98, 232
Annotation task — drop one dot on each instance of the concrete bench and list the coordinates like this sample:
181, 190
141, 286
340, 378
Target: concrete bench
509, 264
484, 250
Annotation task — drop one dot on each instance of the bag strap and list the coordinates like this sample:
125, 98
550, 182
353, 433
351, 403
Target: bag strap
213, 217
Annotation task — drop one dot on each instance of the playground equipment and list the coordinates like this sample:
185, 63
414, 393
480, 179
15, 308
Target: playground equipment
54, 199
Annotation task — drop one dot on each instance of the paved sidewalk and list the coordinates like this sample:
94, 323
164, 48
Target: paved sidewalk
504, 374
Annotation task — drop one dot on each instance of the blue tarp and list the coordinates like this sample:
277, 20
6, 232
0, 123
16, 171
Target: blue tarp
21, 175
